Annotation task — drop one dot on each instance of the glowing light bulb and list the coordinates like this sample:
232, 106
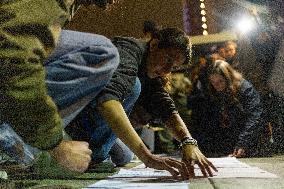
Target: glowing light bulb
205, 32
203, 12
245, 25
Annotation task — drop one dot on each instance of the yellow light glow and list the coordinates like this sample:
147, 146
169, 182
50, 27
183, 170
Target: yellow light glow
203, 12
202, 5
204, 26
205, 32
203, 19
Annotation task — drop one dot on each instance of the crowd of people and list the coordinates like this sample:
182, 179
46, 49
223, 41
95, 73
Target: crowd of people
52, 79
233, 110
58, 83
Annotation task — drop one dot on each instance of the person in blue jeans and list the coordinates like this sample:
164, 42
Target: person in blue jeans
29, 32
104, 106
77, 70
68, 79
141, 78
103, 141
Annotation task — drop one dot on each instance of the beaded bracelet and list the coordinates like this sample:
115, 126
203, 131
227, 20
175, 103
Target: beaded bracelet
188, 141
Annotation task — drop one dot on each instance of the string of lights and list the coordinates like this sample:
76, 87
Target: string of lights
203, 17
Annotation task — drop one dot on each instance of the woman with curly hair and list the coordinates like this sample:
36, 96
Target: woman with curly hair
236, 112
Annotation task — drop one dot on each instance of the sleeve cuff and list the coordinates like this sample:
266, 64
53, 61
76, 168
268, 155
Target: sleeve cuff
106, 97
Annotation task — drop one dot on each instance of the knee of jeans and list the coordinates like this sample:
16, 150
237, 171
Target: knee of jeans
128, 156
120, 154
127, 159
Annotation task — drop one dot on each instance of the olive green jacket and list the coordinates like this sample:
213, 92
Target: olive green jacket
29, 31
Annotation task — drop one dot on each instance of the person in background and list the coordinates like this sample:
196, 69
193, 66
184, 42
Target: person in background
230, 54
29, 32
237, 115
142, 76
219, 55
227, 52
222, 51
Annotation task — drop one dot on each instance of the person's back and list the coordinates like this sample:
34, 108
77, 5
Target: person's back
29, 32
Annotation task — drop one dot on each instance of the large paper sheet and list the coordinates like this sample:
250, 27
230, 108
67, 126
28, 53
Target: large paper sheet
228, 167
127, 184
142, 177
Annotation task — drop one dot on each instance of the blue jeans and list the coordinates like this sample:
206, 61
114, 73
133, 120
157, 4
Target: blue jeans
94, 129
77, 70
13, 145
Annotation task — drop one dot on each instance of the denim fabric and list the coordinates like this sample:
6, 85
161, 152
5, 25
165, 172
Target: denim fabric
81, 65
78, 69
100, 135
12, 145
120, 154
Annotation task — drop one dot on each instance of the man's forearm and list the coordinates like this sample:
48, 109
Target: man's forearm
117, 119
177, 127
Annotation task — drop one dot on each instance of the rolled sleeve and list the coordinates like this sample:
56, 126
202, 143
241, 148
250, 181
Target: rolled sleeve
124, 77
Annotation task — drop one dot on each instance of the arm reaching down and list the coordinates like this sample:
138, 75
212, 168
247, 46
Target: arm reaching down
117, 119
190, 151
252, 121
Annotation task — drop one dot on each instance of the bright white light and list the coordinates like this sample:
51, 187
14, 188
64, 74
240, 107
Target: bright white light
204, 26
202, 5
245, 25
205, 32
203, 12
203, 19
201, 0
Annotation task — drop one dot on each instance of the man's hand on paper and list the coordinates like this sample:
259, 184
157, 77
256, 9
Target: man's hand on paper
192, 155
175, 167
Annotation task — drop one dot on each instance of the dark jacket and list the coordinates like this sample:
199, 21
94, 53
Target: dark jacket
244, 116
132, 64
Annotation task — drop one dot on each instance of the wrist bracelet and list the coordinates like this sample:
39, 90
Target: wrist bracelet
188, 141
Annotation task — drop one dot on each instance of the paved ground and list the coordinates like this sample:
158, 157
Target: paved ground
272, 164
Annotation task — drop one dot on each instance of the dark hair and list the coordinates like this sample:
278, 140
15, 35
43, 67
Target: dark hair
149, 26
174, 38
232, 77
